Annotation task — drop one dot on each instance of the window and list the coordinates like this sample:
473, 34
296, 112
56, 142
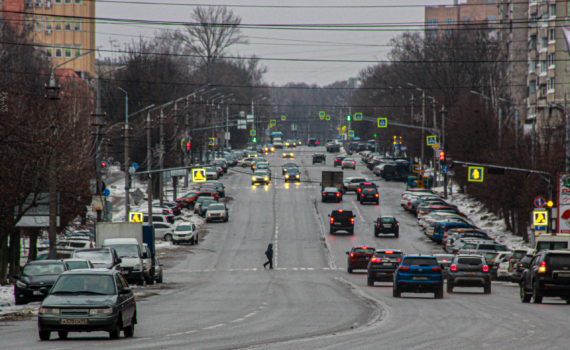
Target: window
58, 1
77, 25
550, 84
77, 50
532, 43
432, 22
449, 21
58, 51
533, 20
552, 34
57, 23
551, 60
532, 66
49, 52
77, 2
543, 42
49, 24
465, 19
67, 24
552, 10
543, 68
491, 18
68, 2
68, 51
39, 24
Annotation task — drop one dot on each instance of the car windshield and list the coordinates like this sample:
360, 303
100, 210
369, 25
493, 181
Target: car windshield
363, 250
345, 214
420, 262
387, 220
191, 194
292, 171
260, 173
96, 257
216, 207
43, 269
207, 204
84, 284
331, 189
74, 265
469, 261
126, 250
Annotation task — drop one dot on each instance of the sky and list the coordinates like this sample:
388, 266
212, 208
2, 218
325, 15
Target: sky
289, 44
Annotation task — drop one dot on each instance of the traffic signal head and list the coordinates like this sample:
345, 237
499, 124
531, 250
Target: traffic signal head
255, 140
550, 204
188, 146
374, 135
348, 118
442, 156
103, 165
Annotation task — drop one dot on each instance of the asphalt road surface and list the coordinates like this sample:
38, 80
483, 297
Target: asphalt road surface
217, 295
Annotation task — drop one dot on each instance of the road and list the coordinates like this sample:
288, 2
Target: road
217, 295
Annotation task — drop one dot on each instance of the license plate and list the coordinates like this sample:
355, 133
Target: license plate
420, 278
564, 275
37, 292
388, 226
74, 321
469, 273
387, 264
338, 223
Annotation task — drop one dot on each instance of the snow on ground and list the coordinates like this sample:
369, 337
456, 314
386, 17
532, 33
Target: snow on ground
485, 220
8, 307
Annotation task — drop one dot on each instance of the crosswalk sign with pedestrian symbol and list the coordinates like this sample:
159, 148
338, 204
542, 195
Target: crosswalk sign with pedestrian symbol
431, 140
475, 174
136, 216
539, 218
199, 175
382, 122
252, 133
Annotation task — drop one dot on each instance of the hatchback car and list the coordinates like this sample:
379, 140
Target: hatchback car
34, 276
288, 166
158, 275
369, 195
201, 200
260, 177
319, 158
383, 264
469, 271
386, 225
217, 211
348, 163
88, 301
185, 233
288, 155
358, 258
101, 258
418, 274
342, 220
364, 185
338, 161
332, 194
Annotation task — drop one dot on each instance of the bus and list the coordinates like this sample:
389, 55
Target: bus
276, 135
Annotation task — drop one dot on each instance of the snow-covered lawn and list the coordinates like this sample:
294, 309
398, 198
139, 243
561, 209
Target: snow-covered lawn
8, 307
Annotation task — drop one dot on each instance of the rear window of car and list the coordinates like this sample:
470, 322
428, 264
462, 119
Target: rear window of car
345, 214
365, 251
487, 247
469, 261
469, 246
518, 255
559, 260
420, 261
387, 220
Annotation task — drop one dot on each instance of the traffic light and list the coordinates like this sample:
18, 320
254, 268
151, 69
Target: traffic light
395, 139
374, 135
188, 146
442, 157
400, 140
254, 140
348, 118
103, 165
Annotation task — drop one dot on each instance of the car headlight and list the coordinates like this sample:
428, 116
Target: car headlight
291, 154
272, 149
21, 284
137, 267
284, 154
106, 311
297, 176
266, 178
45, 311
286, 176
253, 178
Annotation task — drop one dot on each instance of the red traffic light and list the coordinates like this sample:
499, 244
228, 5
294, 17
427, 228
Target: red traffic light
442, 155
188, 146
103, 164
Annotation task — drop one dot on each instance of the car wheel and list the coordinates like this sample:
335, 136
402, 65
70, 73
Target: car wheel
129, 331
168, 238
397, 234
62, 334
191, 242
396, 292
196, 240
140, 282
44, 335
438, 294
116, 333
370, 281
449, 287
487, 289
349, 270
536, 295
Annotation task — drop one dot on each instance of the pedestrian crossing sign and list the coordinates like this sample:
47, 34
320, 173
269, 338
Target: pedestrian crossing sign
351, 133
283, 117
328, 117
252, 133
136, 216
431, 140
540, 218
199, 175
212, 141
382, 122
322, 115
273, 122
357, 116
475, 174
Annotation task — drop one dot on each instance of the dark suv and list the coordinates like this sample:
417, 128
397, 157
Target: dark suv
369, 195
548, 275
386, 224
418, 274
319, 158
358, 257
520, 267
342, 220
383, 264
469, 271
364, 185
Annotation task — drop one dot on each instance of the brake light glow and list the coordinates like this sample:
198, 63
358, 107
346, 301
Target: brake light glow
336, 160
388, 252
363, 195
332, 221
353, 163
542, 267
399, 260
485, 268
453, 267
352, 221
340, 210
443, 260
316, 143
359, 190
367, 183
376, 195
338, 194
403, 268
352, 255
364, 248
375, 260
436, 269
324, 194
343, 162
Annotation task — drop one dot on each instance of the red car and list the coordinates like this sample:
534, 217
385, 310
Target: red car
190, 199
359, 257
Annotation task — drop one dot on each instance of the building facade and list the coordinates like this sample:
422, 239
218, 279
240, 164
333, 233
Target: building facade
442, 19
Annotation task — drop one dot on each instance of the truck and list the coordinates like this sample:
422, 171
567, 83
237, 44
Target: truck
127, 239
548, 241
332, 179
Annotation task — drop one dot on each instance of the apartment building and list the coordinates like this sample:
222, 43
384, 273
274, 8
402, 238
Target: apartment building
444, 18
65, 29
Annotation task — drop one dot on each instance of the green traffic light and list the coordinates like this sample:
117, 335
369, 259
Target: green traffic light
374, 135
255, 140
347, 118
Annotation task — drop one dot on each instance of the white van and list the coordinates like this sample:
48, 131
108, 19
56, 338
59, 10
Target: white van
550, 241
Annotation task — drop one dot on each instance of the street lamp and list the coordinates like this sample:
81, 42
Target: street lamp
52, 90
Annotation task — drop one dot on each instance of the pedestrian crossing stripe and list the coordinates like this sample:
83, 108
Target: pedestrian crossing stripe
136, 216
199, 175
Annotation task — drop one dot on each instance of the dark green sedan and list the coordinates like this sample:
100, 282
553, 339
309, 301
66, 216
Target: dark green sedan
88, 301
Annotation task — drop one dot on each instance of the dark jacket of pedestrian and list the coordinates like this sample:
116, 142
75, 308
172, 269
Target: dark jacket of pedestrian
269, 251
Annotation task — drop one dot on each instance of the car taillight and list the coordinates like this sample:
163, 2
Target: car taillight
343, 162
378, 223
332, 221
453, 267
352, 163
352, 255
362, 195
375, 260
359, 190
338, 194
399, 260
436, 269
542, 267
324, 194
376, 195
403, 268
352, 221
485, 268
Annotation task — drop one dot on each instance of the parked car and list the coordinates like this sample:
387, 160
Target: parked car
331, 194
201, 200
382, 265
185, 233
158, 271
521, 266
34, 276
386, 225
469, 271
418, 274
204, 207
105, 258
342, 220
548, 275
188, 200
217, 211
163, 230
358, 258
88, 301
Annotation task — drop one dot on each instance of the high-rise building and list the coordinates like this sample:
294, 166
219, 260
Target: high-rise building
445, 18
64, 29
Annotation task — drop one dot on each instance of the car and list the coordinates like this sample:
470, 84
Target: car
260, 177
441, 228
312, 142
88, 301
444, 261
287, 166
163, 230
418, 274
246, 162
185, 232
158, 271
217, 211
204, 207
342, 220
288, 155
518, 254
358, 257
482, 247
209, 188
363, 185
333, 147
256, 162
382, 265
332, 194
503, 268
292, 174
100, 258
175, 207
494, 260
61, 253
200, 201
319, 158
469, 271
338, 161
188, 200
263, 167
521, 266
548, 275
221, 163
386, 225
80, 235
221, 189
34, 276
348, 163
291, 144
352, 183
74, 264
369, 195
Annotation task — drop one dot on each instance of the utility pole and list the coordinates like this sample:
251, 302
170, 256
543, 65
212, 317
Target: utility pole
412, 116
423, 124
567, 133
148, 128
52, 203
187, 140
533, 136
500, 124
126, 165
227, 135
445, 179
161, 157
435, 160
516, 129
443, 126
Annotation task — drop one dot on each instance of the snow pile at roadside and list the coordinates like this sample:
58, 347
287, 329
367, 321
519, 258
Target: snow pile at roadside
8, 307
485, 220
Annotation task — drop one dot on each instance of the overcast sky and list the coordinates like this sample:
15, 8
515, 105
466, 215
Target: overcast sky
332, 45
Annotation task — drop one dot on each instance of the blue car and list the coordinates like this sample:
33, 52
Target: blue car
418, 274
441, 228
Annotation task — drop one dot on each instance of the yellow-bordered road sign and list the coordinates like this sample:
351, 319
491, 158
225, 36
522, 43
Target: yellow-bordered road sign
328, 117
136, 216
283, 117
540, 218
475, 174
212, 141
199, 175
382, 122
322, 114
273, 122
252, 133
350, 133
431, 140
357, 116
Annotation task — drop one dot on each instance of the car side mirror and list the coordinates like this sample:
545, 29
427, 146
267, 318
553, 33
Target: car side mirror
329, 215
118, 261
145, 256
44, 290
347, 253
126, 291
15, 277
161, 264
